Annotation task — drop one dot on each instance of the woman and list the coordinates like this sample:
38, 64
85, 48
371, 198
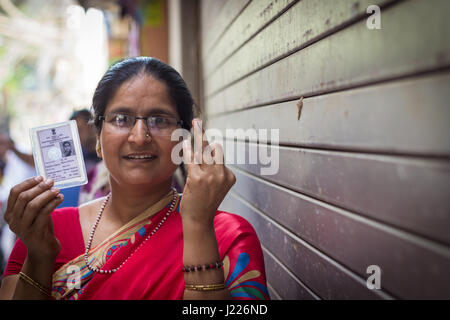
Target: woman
143, 240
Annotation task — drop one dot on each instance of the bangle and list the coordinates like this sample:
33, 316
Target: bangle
205, 287
35, 284
216, 265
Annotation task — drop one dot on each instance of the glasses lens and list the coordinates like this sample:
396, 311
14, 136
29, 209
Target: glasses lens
161, 126
120, 121
158, 126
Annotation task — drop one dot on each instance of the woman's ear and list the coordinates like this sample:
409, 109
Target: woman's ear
98, 148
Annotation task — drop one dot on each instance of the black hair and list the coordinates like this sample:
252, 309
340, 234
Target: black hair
83, 113
126, 69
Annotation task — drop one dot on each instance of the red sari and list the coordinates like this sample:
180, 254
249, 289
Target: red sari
153, 268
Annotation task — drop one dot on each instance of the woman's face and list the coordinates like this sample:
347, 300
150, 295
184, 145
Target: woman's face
132, 157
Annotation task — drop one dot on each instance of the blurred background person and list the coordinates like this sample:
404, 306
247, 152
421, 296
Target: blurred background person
15, 166
97, 174
87, 139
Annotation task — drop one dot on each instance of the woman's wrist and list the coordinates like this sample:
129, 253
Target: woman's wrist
40, 261
196, 222
36, 278
200, 243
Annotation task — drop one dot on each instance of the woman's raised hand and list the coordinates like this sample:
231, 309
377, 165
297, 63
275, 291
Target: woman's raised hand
208, 180
28, 214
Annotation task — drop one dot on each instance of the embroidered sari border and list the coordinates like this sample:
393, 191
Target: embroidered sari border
60, 285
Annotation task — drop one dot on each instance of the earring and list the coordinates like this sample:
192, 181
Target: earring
98, 148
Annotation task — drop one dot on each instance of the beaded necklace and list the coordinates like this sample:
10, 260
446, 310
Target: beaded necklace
91, 236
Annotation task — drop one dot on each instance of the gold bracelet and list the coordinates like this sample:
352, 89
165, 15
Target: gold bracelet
35, 284
205, 287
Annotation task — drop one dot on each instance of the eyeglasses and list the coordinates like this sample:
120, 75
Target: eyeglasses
157, 125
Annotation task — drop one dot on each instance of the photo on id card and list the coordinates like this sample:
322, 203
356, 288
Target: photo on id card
58, 155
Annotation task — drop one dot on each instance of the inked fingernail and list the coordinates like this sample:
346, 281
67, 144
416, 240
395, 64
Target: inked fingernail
56, 191
48, 181
38, 178
197, 123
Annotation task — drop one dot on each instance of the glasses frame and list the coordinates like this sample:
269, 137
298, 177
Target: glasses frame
136, 118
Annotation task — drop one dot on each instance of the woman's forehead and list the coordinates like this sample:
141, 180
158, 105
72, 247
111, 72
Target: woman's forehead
142, 94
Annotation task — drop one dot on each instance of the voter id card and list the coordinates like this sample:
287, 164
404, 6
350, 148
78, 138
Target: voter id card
58, 155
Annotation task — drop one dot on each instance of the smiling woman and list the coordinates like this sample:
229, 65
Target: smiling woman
139, 156
143, 240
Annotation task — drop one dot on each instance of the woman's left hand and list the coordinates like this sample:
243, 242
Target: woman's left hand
208, 180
